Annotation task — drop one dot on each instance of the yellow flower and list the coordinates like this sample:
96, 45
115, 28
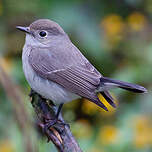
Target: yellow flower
114, 28
108, 134
6, 146
137, 21
143, 132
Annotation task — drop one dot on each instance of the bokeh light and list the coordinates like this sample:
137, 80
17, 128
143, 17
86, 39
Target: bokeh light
116, 38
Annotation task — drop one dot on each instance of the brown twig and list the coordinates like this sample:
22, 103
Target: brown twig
60, 133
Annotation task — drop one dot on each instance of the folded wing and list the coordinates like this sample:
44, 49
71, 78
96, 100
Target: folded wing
77, 77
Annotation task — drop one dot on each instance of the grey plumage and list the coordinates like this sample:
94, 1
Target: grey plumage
57, 70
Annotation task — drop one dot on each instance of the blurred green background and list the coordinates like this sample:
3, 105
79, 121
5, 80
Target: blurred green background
116, 37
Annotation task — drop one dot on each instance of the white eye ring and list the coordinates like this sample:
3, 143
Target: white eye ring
43, 33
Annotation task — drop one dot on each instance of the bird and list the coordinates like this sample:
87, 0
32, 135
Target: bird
56, 69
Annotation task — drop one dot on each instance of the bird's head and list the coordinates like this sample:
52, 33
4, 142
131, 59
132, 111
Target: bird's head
43, 32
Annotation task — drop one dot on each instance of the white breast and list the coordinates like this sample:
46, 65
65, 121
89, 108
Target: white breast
45, 88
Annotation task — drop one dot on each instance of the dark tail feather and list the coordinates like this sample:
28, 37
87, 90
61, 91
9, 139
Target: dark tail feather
108, 98
99, 103
124, 85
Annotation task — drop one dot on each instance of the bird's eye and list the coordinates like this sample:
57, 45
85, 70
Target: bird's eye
43, 33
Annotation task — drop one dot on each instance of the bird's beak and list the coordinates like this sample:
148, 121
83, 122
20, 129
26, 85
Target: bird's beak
24, 29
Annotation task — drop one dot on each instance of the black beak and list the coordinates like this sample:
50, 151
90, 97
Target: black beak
24, 29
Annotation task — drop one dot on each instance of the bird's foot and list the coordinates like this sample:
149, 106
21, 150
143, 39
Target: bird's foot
50, 123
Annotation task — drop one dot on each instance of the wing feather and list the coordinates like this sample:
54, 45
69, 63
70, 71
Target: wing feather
78, 77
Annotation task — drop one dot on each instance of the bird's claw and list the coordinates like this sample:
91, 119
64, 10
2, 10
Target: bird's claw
49, 124
53, 123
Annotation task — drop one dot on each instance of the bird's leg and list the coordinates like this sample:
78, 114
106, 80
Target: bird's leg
51, 122
58, 113
59, 110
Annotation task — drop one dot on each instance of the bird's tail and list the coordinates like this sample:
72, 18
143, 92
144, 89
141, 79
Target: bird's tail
110, 83
107, 83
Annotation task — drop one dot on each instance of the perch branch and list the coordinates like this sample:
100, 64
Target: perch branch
60, 133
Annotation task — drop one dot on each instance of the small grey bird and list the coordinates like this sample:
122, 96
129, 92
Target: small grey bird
56, 69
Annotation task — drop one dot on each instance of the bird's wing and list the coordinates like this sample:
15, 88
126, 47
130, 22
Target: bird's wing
77, 77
